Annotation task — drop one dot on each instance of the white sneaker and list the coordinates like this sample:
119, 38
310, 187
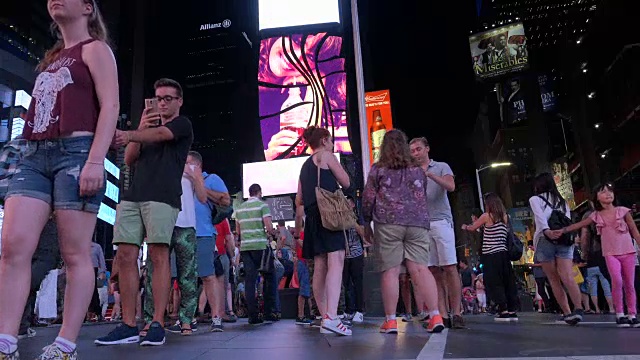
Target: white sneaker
336, 326
358, 318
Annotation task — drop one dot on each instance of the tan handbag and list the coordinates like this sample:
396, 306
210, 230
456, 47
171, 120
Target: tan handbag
335, 210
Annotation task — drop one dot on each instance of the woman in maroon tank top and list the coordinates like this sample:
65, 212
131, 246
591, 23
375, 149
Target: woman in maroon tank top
69, 128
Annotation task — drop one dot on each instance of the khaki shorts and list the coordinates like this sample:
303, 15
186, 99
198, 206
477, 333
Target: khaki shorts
395, 243
133, 218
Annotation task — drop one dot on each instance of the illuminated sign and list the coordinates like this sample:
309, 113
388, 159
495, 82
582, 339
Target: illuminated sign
224, 24
107, 214
284, 13
112, 191
112, 168
16, 127
499, 51
22, 99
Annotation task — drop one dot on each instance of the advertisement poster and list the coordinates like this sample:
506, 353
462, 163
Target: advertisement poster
379, 121
302, 82
513, 109
499, 51
547, 93
563, 182
522, 221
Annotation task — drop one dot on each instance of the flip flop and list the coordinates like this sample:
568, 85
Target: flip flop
186, 332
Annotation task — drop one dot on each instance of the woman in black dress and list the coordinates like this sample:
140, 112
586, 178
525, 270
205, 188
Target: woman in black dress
326, 248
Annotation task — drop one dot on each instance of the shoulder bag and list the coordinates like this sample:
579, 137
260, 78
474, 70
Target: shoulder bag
557, 221
515, 247
335, 210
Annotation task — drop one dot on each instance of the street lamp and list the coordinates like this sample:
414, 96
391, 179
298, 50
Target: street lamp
483, 168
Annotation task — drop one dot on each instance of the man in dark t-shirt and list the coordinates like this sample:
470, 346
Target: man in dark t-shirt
158, 151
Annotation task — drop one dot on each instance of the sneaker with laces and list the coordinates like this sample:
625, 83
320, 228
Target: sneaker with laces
216, 324
155, 335
623, 322
435, 325
574, 318
175, 328
54, 352
358, 318
335, 326
28, 333
503, 317
122, 334
389, 327
423, 316
303, 321
634, 322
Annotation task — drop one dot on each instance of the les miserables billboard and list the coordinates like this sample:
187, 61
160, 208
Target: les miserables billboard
499, 51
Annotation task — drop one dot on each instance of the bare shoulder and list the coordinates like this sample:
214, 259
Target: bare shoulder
97, 49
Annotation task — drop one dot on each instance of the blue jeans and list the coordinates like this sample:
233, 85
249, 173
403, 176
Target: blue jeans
593, 275
277, 276
49, 170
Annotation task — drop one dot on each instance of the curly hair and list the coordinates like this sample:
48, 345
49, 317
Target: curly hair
395, 152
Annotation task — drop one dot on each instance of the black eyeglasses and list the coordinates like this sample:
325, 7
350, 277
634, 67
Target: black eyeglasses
167, 98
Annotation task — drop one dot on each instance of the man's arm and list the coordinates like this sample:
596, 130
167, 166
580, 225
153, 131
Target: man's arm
446, 181
266, 220
238, 232
220, 198
151, 135
102, 264
131, 153
199, 189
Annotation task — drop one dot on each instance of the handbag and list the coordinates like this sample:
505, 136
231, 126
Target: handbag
515, 247
266, 261
558, 220
335, 210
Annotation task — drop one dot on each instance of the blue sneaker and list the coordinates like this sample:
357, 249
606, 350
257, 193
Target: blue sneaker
123, 334
155, 335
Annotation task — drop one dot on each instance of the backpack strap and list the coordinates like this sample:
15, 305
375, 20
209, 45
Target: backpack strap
548, 203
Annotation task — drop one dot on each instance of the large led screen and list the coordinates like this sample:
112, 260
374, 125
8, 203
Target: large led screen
302, 82
286, 181
285, 13
499, 51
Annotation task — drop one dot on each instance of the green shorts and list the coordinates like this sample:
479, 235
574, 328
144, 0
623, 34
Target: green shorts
133, 218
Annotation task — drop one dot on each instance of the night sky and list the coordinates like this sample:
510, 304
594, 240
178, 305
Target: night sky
420, 51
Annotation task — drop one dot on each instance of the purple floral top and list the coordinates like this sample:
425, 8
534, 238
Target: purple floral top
396, 197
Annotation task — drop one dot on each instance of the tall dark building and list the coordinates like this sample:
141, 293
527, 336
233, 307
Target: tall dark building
554, 129
211, 49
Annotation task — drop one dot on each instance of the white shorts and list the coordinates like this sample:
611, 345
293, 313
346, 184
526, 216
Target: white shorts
442, 244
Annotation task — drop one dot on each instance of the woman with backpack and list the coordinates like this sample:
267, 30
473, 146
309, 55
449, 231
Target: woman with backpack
554, 252
499, 278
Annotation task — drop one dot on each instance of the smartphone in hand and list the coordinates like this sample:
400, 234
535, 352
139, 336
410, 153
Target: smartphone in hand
152, 105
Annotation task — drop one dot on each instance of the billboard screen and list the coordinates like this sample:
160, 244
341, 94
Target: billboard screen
281, 208
285, 13
286, 182
379, 121
499, 51
302, 82
513, 110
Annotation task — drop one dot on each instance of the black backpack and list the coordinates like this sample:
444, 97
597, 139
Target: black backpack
515, 247
557, 221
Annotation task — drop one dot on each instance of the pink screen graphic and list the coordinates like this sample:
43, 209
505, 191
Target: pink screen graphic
302, 82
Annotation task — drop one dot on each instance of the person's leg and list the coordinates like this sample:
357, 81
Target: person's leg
159, 256
250, 278
185, 248
24, 219
454, 289
628, 264
509, 281
94, 304
565, 270
494, 280
550, 269
542, 291
127, 259
202, 301
426, 284
606, 289
318, 283
615, 271
333, 284
357, 274
76, 231
390, 288
444, 236
591, 282
148, 308
346, 282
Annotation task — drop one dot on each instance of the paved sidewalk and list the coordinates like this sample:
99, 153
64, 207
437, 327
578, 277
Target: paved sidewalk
536, 336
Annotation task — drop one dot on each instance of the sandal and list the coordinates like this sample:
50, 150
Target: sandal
186, 332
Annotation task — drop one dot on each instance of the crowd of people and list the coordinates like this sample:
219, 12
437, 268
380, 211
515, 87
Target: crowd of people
173, 206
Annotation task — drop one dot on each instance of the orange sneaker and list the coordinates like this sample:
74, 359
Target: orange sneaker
389, 327
435, 325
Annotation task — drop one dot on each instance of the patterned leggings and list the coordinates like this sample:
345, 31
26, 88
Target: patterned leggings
183, 242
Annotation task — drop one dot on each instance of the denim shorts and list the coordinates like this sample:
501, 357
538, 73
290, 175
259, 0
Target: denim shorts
547, 251
49, 170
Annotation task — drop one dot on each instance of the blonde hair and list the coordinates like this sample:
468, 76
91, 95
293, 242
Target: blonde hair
97, 30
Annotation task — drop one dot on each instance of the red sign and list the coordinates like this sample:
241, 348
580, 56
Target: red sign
378, 104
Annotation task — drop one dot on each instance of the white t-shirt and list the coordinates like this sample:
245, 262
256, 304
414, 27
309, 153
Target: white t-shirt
187, 216
542, 213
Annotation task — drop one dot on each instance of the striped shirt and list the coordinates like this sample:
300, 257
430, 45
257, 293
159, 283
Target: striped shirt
250, 216
495, 239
